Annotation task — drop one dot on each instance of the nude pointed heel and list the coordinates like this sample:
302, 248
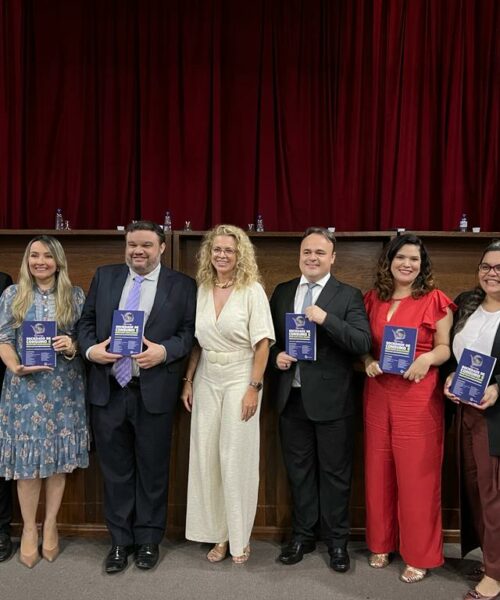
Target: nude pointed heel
29, 560
52, 554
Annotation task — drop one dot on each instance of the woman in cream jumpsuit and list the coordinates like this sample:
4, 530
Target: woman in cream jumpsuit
222, 389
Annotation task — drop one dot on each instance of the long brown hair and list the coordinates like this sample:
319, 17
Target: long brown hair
384, 282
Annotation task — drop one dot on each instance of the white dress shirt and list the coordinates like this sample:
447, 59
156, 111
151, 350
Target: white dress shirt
300, 294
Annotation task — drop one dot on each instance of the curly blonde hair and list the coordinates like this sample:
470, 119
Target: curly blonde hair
246, 270
65, 309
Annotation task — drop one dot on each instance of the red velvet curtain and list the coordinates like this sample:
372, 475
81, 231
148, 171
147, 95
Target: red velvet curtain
361, 114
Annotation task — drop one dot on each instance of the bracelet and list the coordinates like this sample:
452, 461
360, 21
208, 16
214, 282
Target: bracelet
187, 379
72, 355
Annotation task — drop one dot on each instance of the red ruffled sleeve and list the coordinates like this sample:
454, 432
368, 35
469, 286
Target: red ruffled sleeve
437, 303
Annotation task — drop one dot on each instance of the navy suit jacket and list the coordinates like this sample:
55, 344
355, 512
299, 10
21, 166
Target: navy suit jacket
171, 324
326, 383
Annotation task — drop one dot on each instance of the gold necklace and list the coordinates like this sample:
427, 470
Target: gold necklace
224, 285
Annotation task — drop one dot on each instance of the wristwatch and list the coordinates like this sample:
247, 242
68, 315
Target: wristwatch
256, 384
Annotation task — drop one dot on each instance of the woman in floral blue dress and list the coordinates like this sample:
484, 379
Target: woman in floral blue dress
43, 428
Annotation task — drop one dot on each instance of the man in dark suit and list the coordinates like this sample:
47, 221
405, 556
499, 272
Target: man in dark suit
5, 486
132, 416
315, 399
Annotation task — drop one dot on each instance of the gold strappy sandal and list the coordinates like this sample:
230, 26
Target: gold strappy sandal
412, 574
218, 552
378, 561
240, 560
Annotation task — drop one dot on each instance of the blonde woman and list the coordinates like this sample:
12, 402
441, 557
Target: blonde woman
222, 389
43, 432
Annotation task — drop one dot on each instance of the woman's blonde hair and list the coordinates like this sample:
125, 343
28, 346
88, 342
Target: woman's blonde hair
246, 270
65, 310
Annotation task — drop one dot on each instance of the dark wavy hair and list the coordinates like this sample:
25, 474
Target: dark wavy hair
384, 281
476, 297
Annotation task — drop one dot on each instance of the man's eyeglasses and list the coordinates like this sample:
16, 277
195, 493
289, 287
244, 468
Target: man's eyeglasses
485, 268
226, 251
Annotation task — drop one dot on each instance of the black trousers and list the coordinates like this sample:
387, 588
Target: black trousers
133, 446
5, 505
318, 460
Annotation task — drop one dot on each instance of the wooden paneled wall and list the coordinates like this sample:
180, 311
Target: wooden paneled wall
454, 256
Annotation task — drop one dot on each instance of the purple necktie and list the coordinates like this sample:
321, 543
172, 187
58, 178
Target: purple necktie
123, 366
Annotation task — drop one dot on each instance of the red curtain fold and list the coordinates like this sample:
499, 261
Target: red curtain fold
364, 114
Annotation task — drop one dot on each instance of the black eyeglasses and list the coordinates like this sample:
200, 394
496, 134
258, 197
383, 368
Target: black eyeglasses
486, 268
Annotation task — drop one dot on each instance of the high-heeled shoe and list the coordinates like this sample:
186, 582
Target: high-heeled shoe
29, 560
33, 558
378, 561
412, 574
242, 559
475, 595
218, 552
51, 554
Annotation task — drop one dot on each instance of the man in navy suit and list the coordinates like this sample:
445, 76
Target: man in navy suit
315, 399
5, 486
132, 420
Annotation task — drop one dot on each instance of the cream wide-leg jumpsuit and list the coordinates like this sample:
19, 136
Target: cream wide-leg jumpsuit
224, 451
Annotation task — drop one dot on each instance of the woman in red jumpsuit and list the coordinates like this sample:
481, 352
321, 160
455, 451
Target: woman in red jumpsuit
403, 414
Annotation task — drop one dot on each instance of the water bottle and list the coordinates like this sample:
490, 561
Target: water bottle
167, 223
463, 223
59, 219
260, 224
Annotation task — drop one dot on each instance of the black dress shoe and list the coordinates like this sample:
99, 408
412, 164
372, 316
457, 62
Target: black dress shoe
294, 552
117, 559
339, 559
146, 555
5, 546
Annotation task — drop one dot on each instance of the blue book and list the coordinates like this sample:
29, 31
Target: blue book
398, 349
37, 348
472, 376
126, 332
300, 336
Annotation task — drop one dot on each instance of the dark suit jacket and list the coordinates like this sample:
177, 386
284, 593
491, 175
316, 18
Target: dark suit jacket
171, 323
345, 335
5, 281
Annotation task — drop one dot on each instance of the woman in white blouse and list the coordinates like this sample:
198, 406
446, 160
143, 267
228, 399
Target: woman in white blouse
477, 327
222, 389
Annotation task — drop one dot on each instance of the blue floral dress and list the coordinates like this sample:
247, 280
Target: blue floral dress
43, 425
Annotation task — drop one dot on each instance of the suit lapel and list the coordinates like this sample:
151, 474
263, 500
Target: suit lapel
117, 285
327, 294
495, 350
289, 298
165, 282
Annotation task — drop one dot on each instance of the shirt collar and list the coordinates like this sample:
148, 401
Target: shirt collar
153, 276
321, 282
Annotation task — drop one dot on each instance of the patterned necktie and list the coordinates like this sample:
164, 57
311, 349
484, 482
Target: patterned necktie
308, 298
123, 366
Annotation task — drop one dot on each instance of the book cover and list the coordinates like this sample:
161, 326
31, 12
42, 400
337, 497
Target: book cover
398, 349
472, 376
37, 348
126, 332
300, 336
